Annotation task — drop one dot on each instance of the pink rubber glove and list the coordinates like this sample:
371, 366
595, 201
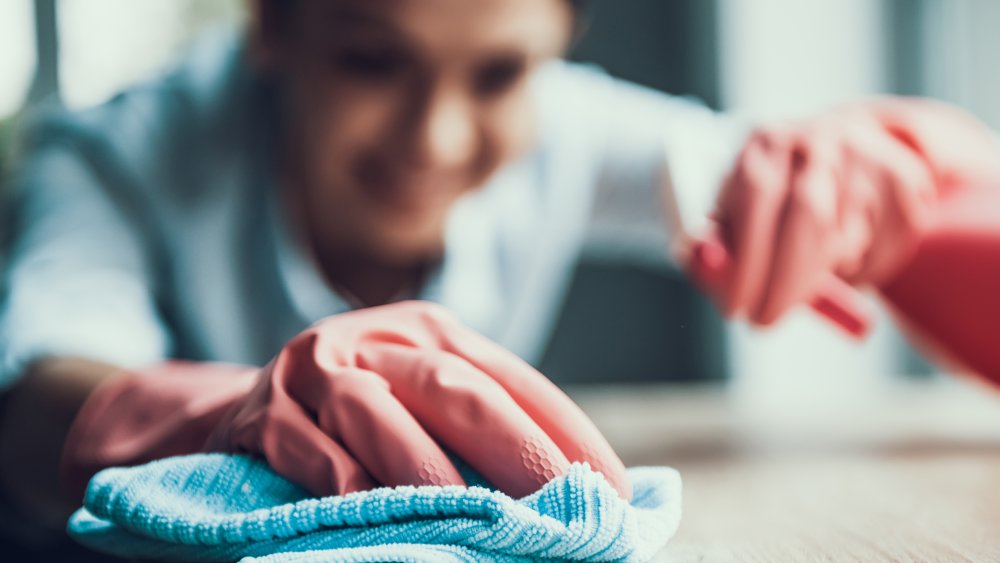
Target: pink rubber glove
846, 195
358, 400
138, 416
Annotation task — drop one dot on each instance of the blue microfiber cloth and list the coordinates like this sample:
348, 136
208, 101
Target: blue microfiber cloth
228, 507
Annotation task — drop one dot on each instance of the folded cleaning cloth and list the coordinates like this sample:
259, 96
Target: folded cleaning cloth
228, 507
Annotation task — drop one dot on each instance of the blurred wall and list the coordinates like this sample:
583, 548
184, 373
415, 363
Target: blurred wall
784, 59
952, 52
630, 316
668, 45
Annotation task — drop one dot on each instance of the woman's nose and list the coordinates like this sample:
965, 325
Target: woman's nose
443, 132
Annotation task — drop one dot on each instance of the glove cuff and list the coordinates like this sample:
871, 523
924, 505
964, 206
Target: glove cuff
141, 415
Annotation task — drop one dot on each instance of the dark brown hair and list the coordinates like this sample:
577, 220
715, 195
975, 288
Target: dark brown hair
275, 14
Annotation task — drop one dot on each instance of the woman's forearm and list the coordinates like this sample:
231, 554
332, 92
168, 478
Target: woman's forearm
37, 414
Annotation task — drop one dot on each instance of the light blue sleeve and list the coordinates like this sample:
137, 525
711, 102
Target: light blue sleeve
637, 134
78, 280
602, 145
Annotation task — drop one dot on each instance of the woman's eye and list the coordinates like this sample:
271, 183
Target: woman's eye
372, 65
495, 78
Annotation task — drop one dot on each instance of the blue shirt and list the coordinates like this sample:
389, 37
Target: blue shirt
150, 228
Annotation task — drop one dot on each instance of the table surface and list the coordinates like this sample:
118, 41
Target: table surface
907, 472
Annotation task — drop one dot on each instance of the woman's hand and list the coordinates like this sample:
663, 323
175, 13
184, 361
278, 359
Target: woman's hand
376, 397
846, 194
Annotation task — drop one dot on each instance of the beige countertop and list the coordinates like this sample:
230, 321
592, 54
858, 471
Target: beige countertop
904, 472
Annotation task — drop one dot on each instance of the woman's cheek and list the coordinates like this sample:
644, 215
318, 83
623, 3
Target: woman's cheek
512, 131
346, 125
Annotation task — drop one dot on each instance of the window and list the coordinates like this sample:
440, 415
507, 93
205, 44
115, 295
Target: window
108, 44
17, 43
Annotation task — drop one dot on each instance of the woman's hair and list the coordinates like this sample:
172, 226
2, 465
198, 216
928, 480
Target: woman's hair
277, 12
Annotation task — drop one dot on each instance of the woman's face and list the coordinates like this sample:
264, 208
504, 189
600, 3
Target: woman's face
398, 107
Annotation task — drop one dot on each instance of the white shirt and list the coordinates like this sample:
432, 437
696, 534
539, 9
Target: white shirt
149, 228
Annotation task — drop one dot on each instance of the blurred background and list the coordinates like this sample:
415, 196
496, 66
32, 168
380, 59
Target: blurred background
759, 58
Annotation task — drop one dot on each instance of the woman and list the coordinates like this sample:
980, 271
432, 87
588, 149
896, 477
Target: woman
348, 154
